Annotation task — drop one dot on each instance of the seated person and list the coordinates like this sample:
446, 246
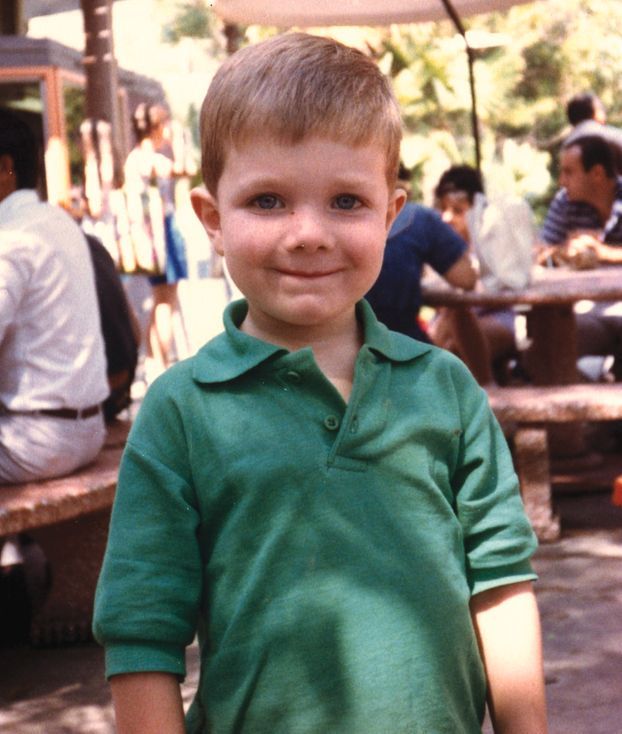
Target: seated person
416, 238
120, 329
583, 228
501, 235
52, 360
587, 115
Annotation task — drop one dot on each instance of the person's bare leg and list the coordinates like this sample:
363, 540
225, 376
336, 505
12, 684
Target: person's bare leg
160, 329
500, 339
458, 330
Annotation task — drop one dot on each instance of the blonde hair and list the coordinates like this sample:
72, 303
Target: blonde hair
294, 86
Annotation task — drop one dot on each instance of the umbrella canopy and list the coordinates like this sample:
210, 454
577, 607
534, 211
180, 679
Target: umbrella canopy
287, 13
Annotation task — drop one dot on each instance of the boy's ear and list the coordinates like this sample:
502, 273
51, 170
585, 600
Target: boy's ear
206, 208
396, 202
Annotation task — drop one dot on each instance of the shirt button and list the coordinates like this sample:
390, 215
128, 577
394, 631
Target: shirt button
292, 376
331, 422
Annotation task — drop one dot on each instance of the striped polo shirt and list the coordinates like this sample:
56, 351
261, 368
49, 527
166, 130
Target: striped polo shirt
565, 216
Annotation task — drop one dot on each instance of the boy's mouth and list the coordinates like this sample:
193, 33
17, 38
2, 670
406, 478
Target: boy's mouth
309, 274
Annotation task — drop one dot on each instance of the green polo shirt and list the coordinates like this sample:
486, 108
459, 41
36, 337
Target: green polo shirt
325, 553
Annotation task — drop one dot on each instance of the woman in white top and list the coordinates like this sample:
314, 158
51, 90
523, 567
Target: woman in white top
150, 167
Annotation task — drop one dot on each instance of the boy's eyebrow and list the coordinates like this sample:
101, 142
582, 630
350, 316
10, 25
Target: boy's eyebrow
269, 180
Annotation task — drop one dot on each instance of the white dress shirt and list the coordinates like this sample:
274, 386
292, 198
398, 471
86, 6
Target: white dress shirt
51, 347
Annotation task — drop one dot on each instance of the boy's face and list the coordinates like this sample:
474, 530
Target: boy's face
302, 228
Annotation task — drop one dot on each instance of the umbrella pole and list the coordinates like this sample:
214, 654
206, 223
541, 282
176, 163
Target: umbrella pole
234, 35
451, 12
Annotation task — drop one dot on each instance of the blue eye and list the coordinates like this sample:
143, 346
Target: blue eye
347, 201
267, 201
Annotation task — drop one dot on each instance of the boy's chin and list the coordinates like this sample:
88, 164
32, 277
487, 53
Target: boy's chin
309, 315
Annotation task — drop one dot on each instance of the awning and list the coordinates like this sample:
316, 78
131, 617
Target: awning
286, 13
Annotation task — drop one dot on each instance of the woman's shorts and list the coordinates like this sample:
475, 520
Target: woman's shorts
176, 262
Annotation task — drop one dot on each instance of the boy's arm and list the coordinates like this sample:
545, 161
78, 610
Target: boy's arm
507, 625
147, 703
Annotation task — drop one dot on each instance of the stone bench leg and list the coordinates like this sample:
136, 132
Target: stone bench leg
531, 456
74, 550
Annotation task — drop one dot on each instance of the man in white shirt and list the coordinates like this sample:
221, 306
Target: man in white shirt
52, 359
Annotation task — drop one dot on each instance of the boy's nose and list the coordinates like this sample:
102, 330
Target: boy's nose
308, 229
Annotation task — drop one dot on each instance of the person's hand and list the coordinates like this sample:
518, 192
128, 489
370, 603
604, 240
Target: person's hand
581, 250
546, 255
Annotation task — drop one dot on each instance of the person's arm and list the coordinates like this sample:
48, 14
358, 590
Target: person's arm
462, 274
608, 254
582, 250
15, 272
147, 703
507, 625
555, 229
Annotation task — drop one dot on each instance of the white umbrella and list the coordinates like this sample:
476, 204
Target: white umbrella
286, 13
350, 12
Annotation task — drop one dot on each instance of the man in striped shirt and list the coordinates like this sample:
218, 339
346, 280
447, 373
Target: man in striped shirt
583, 227
589, 202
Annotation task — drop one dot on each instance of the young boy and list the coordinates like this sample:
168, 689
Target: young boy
330, 505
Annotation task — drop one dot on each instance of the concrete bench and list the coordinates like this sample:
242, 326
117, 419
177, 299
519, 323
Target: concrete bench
68, 517
525, 413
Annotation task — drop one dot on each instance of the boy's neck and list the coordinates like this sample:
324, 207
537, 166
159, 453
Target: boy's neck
334, 349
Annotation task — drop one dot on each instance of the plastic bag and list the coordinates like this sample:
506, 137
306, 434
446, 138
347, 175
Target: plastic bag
504, 235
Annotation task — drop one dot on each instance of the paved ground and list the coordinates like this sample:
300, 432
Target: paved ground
62, 691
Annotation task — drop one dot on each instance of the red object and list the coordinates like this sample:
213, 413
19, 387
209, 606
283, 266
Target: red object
616, 497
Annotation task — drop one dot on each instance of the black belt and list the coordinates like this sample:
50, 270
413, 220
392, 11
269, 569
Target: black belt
70, 413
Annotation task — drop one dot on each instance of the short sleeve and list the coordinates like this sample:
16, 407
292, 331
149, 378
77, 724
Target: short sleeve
148, 595
443, 247
498, 538
554, 230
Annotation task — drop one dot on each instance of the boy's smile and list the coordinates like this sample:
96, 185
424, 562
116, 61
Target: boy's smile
302, 228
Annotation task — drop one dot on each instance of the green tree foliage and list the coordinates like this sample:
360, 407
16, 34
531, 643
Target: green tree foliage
533, 59
194, 19
528, 62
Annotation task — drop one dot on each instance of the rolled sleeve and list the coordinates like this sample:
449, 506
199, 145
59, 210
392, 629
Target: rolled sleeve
149, 591
498, 538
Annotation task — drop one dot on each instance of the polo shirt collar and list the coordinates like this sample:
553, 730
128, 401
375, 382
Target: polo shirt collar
233, 353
